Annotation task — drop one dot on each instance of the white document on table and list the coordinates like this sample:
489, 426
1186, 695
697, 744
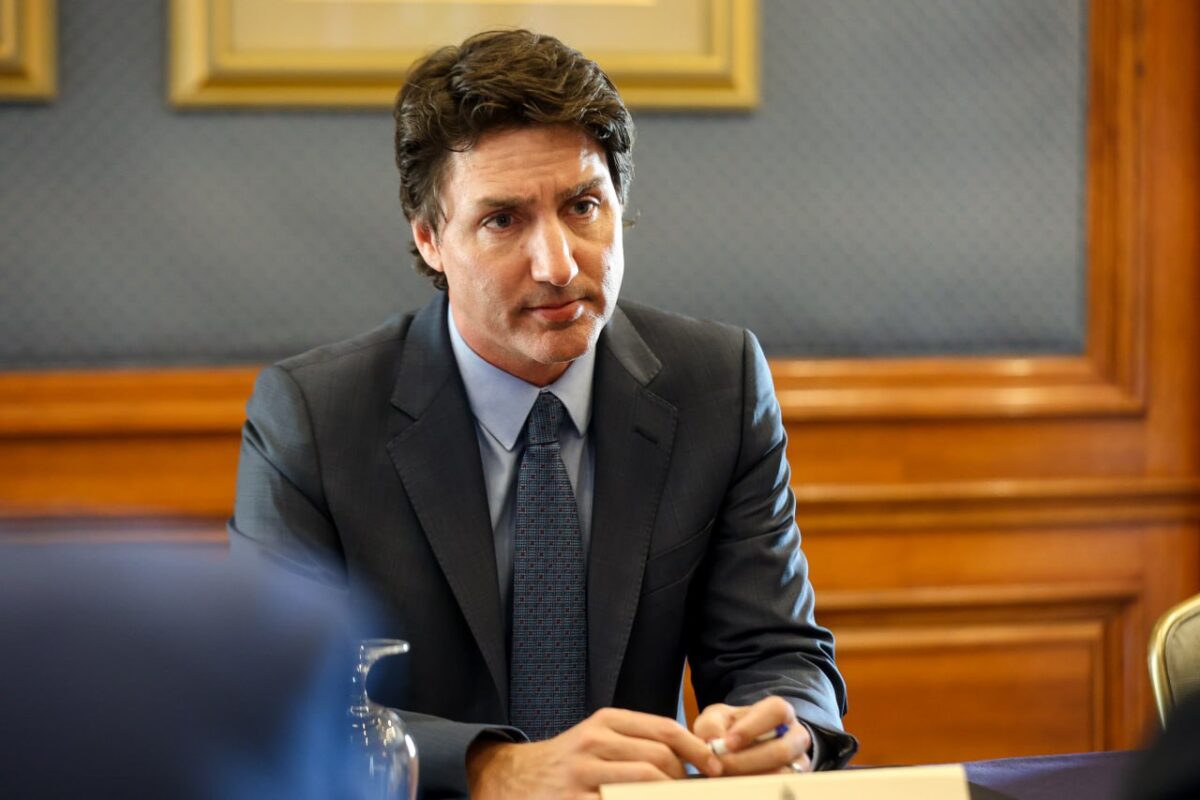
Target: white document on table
945, 782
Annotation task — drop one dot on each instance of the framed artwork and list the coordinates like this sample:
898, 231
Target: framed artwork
660, 53
27, 50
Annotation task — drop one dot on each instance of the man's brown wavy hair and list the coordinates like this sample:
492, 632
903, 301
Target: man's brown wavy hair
494, 81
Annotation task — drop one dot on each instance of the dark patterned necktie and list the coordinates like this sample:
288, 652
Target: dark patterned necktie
548, 665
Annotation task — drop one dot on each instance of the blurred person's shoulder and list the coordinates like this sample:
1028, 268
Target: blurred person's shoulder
164, 670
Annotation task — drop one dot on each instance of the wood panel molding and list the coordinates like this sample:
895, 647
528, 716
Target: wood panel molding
126, 401
1021, 503
154, 475
1048, 600
978, 691
894, 639
185, 530
1042, 668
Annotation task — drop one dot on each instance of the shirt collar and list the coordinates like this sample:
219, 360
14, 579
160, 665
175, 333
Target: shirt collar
501, 402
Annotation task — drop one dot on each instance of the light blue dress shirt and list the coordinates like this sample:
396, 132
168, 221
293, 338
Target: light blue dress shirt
501, 403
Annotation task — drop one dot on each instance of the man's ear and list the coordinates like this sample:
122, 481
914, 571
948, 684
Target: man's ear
427, 244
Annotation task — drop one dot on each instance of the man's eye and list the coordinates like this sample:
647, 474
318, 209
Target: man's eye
499, 221
585, 206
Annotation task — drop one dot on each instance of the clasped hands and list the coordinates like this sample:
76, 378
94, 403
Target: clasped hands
619, 746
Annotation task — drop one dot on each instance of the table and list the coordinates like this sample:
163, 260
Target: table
1081, 776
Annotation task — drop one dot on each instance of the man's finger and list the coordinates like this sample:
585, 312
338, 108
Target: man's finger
714, 721
609, 745
683, 742
760, 718
770, 756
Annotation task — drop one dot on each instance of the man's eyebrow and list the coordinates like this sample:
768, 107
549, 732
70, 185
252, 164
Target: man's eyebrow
578, 189
514, 201
505, 202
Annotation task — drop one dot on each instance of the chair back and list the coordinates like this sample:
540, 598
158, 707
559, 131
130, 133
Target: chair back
1175, 655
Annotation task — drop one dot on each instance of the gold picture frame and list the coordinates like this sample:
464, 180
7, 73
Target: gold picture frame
27, 50
660, 53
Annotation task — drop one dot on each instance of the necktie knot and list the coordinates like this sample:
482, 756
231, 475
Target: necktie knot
545, 419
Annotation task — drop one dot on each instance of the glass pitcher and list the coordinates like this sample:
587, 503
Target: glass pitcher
384, 754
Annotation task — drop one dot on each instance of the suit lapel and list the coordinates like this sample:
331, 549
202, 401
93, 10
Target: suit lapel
633, 430
437, 458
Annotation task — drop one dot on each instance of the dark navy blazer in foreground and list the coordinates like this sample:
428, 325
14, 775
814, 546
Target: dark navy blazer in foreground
153, 671
365, 453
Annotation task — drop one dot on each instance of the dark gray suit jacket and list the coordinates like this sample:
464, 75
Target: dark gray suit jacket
360, 461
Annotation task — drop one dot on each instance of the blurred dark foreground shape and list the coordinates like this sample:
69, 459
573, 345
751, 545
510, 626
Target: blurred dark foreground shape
1170, 769
138, 671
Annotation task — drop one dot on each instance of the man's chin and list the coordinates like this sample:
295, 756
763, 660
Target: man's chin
560, 347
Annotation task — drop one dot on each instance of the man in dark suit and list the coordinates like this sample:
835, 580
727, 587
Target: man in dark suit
551, 574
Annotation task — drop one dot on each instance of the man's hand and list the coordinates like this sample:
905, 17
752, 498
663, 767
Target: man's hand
611, 746
739, 725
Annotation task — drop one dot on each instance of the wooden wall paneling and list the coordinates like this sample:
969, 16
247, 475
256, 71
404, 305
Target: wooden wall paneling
974, 572
997, 503
1171, 163
846, 454
121, 442
110, 474
124, 401
958, 673
1002, 690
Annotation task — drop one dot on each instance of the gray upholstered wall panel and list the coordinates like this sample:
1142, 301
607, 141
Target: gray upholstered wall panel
913, 183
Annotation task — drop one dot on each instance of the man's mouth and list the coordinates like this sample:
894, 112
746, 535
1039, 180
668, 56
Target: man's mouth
558, 312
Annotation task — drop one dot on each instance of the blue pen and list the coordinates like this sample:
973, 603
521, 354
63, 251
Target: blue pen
718, 745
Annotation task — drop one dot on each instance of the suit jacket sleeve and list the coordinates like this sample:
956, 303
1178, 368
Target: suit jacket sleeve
752, 631
281, 515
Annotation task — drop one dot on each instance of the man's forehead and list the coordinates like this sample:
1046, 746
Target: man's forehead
526, 163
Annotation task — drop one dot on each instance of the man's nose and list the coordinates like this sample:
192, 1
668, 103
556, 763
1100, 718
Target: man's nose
550, 255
